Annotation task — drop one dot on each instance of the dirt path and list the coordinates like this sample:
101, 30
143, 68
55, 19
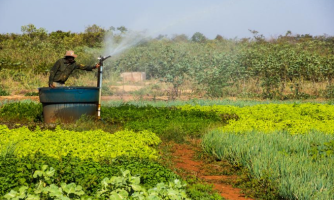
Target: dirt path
184, 159
103, 98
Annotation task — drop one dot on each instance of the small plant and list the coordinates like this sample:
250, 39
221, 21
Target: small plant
129, 186
106, 90
3, 92
45, 188
329, 92
325, 150
116, 187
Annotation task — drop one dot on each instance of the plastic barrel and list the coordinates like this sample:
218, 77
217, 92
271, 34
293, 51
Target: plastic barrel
68, 104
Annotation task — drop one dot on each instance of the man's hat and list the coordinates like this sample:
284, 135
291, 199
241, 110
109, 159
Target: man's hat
70, 53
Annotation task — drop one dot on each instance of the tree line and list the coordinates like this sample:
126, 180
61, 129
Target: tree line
276, 67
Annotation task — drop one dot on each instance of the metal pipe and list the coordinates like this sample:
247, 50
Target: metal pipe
99, 85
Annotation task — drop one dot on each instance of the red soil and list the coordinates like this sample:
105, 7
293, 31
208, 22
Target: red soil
183, 156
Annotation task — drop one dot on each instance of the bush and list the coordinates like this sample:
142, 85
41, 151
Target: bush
3, 92
16, 172
329, 92
96, 145
169, 123
26, 112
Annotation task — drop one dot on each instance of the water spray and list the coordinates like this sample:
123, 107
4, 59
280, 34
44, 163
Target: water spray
99, 84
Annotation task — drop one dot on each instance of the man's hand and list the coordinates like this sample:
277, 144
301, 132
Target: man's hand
97, 65
51, 85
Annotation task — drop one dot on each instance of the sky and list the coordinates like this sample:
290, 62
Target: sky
228, 18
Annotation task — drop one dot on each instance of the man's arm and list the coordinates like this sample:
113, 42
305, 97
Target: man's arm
53, 71
87, 68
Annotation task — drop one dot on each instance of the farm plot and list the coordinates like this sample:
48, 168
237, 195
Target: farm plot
287, 148
41, 163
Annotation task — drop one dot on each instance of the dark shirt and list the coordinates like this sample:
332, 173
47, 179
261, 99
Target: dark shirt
61, 70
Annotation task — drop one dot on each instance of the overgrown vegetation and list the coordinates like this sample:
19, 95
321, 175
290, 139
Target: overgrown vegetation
286, 67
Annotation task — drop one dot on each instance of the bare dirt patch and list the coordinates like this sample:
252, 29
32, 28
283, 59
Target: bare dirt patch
18, 98
184, 159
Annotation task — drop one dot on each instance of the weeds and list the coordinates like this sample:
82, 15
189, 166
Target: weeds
3, 92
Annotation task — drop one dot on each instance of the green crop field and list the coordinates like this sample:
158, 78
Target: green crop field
263, 108
286, 148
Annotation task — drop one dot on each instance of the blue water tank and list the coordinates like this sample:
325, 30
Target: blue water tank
67, 104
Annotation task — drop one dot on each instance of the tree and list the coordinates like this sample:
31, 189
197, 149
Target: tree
219, 38
180, 38
122, 29
257, 37
198, 37
32, 31
94, 35
111, 28
94, 29
173, 68
160, 37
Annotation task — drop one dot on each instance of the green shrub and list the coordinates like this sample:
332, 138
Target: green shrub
17, 111
96, 144
3, 92
116, 187
16, 172
167, 122
329, 92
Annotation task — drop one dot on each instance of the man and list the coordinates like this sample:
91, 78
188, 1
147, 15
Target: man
63, 68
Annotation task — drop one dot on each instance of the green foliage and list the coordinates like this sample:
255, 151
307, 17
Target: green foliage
116, 187
275, 66
278, 161
198, 37
266, 118
325, 150
96, 145
16, 171
129, 186
106, 91
172, 68
3, 92
201, 191
26, 112
263, 188
329, 92
169, 123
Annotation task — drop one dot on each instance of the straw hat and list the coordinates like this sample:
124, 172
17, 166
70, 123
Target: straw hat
70, 53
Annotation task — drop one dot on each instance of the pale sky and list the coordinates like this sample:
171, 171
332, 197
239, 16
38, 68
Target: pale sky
229, 18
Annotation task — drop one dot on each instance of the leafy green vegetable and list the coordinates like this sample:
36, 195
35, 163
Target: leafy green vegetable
96, 145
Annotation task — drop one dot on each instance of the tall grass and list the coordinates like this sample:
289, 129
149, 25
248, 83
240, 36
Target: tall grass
283, 159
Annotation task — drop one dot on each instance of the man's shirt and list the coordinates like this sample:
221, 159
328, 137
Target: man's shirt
61, 70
